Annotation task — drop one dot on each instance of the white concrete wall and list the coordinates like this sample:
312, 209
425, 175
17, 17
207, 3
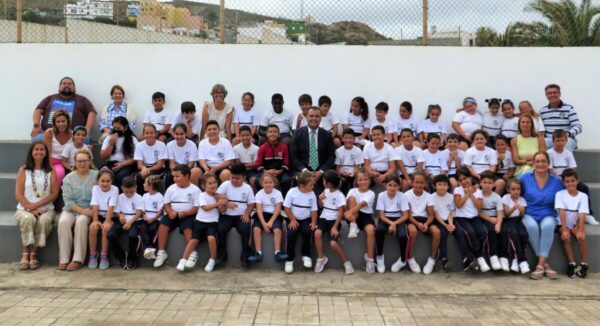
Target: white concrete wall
393, 74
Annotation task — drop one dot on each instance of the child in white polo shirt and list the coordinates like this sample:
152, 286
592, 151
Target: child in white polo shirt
215, 152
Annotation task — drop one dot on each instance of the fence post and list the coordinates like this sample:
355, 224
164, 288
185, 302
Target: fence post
222, 21
5, 9
425, 17
19, 21
66, 22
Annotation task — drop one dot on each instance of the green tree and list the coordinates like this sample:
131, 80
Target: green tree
212, 18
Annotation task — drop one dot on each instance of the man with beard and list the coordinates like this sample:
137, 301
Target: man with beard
80, 109
280, 117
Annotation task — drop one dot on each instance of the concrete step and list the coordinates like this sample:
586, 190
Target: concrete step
10, 243
588, 162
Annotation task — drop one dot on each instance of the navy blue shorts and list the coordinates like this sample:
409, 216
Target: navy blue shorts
326, 225
277, 224
202, 230
363, 220
182, 223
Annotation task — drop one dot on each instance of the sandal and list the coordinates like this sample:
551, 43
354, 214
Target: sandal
550, 273
538, 273
33, 261
24, 263
62, 266
73, 266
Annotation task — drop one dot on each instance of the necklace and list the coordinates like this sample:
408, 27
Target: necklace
34, 185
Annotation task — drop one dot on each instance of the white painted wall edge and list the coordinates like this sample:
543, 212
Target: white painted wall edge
422, 75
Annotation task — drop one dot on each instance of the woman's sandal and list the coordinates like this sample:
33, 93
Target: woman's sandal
62, 267
550, 273
33, 261
73, 266
538, 273
24, 263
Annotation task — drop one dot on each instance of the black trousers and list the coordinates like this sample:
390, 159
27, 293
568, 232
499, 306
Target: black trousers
401, 234
468, 238
292, 237
513, 239
490, 238
148, 233
226, 223
132, 237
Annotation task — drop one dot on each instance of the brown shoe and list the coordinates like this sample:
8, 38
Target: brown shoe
62, 267
538, 273
33, 261
73, 266
550, 273
24, 263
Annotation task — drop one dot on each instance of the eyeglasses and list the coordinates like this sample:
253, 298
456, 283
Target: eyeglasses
541, 162
82, 161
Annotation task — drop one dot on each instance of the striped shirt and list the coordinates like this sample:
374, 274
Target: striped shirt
563, 117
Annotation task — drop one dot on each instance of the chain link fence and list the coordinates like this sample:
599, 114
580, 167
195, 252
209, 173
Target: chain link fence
306, 22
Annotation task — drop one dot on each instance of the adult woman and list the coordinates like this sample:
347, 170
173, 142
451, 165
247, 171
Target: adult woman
118, 149
525, 145
539, 190
525, 107
36, 189
56, 138
117, 108
218, 110
77, 194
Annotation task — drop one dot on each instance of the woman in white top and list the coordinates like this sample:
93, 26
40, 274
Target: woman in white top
218, 110
56, 138
36, 189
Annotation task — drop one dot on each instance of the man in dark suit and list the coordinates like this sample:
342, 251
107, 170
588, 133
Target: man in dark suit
312, 149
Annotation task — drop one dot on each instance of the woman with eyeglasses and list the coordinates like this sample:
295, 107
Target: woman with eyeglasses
525, 145
539, 190
77, 195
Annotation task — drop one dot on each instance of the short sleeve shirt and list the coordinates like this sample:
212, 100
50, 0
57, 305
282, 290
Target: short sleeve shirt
328, 121
268, 202
283, 120
301, 203
418, 204
435, 163
492, 204
505, 164
182, 154
129, 206
469, 122
347, 159
410, 158
242, 196
573, 206
182, 199
480, 160
210, 216
246, 118
561, 161
354, 122
150, 154
452, 167
379, 159
153, 205
392, 207
78, 107
118, 155
368, 197
508, 201
468, 210
443, 205
215, 154
196, 123
104, 199
246, 155
430, 127
158, 119
332, 203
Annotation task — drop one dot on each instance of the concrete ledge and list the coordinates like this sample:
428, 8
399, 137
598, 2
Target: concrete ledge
10, 242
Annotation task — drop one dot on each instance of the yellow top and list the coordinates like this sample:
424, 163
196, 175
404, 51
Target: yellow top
526, 146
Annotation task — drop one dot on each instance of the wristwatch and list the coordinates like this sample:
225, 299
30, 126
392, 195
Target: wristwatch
36, 125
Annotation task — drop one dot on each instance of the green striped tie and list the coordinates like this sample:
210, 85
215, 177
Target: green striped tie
314, 154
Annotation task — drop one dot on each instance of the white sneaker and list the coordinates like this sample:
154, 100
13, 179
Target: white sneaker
428, 268
380, 264
160, 258
353, 232
414, 266
591, 220
514, 266
181, 265
192, 259
307, 262
483, 266
524, 266
210, 265
505, 265
370, 266
289, 267
348, 269
320, 264
398, 265
150, 253
495, 263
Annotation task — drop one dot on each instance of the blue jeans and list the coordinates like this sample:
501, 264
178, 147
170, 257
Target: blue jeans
571, 144
541, 234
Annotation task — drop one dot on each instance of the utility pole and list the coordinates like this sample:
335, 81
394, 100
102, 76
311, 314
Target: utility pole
19, 21
222, 21
425, 15
5, 9
66, 22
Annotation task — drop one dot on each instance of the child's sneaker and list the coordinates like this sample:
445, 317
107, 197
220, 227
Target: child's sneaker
514, 266
353, 232
583, 269
483, 266
104, 262
181, 266
428, 268
571, 269
306, 262
446, 265
495, 263
413, 265
210, 265
380, 264
591, 220
469, 264
192, 259
150, 253
524, 267
161, 257
398, 265
370, 265
93, 263
505, 264
257, 257
289, 267
131, 264
280, 256
348, 269
320, 264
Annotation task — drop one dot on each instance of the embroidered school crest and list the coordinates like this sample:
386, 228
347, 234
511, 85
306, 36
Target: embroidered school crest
187, 156
272, 200
244, 196
189, 196
133, 206
310, 202
156, 154
163, 119
220, 155
155, 205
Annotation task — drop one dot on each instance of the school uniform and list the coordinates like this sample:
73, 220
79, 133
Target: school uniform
331, 205
452, 169
153, 209
347, 160
180, 199
128, 206
196, 124
418, 205
573, 206
392, 209
504, 165
480, 160
180, 155
510, 128
565, 160
468, 122
443, 205
267, 203
513, 236
355, 122
492, 124
158, 119
410, 158
429, 127
389, 125
104, 199
491, 205
409, 123
469, 240
434, 164
302, 205
206, 222
232, 217
149, 155
328, 121
284, 120
379, 159
245, 156
246, 118
217, 153
277, 157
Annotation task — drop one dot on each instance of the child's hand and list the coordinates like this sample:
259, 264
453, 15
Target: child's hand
293, 225
494, 220
450, 227
322, 196
313, 226
270, 225
334, 232
126, 226
580, 234
392, 228
95, 226
245, 217
423, 226
173, 214
122, 220
348, 215
222, 201
231, 205
498, 227
565, 234
107, 225
266, 227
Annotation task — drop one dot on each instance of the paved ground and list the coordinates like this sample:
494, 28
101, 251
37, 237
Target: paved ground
233, 297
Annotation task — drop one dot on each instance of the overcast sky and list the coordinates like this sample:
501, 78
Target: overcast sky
395, 17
